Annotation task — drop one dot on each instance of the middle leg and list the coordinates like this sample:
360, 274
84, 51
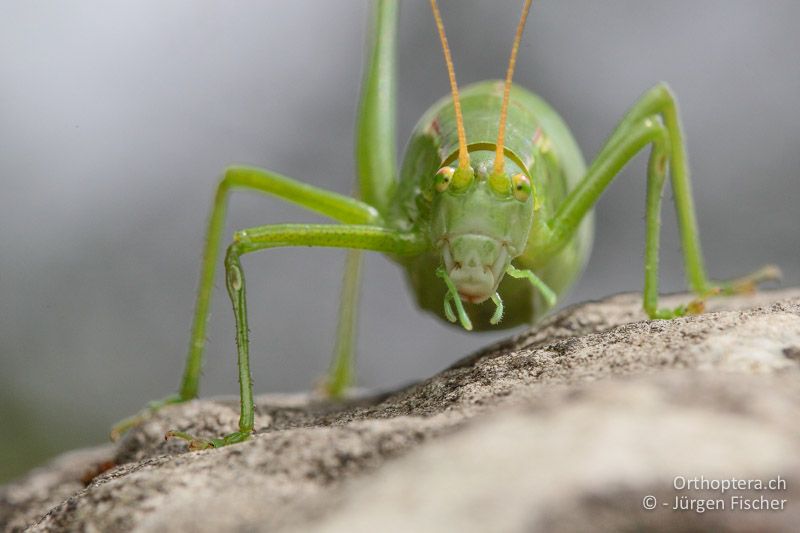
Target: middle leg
342, 371
652, 120
336, 206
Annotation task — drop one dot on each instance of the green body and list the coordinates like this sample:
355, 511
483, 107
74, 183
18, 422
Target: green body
546, 231
554, 174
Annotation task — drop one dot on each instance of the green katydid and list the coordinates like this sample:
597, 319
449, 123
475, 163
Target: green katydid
491, 215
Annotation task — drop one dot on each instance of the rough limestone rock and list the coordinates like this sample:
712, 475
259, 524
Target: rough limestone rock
567, 427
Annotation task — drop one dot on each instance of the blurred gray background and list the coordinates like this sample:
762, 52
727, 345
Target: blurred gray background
116, 119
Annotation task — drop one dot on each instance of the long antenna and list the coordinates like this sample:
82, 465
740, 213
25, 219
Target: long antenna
463, 154
499, 158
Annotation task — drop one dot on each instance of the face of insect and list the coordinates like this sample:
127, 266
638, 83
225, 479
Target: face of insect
480, 223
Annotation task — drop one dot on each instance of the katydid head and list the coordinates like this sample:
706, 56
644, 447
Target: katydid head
483, 209
480, 223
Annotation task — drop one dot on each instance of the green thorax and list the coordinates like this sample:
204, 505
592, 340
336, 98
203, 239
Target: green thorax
536, 140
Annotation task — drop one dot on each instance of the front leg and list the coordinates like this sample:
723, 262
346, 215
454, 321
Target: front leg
355, 237
653, 120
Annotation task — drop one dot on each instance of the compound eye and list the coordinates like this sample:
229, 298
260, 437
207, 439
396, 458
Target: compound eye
521, 187
443, 178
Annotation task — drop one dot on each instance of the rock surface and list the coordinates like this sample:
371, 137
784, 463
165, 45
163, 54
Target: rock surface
567, 427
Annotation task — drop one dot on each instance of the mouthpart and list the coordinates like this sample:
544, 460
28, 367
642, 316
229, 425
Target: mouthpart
475, 264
